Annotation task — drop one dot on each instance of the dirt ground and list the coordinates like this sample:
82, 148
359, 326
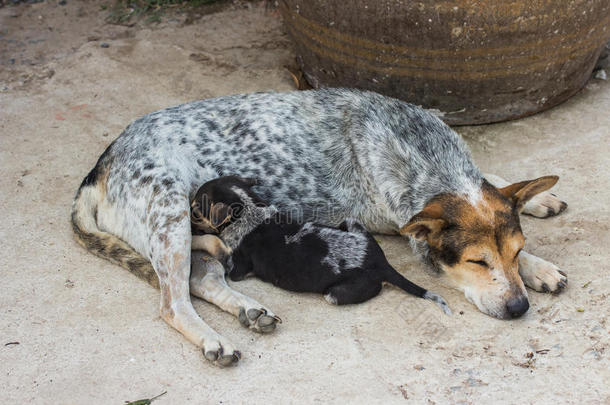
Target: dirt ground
76, 329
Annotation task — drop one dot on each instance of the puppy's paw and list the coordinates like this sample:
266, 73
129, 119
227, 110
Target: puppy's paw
544, 205
259, 319
220, 351
540, 275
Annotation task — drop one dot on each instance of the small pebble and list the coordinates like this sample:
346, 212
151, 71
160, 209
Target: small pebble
105, 45
601, 75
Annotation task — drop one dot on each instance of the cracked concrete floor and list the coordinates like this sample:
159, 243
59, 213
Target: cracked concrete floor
89, 332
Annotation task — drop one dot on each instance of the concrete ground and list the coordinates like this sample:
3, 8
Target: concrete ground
77, 329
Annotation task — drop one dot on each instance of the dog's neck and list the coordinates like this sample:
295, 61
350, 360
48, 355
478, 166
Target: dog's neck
442, 164
251, 217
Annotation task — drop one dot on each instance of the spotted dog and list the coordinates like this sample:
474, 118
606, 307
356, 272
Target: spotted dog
345, 264
324, 156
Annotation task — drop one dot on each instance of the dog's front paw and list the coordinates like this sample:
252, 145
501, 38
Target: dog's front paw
258, 319
540, 275
544, 205
549, 279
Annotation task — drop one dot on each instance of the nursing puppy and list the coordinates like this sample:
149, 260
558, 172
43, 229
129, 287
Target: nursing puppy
345, 264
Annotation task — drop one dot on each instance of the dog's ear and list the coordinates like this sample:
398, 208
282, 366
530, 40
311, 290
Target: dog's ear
220, 214
425, 225
520, 193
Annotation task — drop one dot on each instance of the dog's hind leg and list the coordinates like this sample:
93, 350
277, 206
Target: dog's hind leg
352, 291
170, 239
543, 205
207, 281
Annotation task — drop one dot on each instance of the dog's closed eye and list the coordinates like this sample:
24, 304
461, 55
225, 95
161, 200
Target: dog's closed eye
481, 263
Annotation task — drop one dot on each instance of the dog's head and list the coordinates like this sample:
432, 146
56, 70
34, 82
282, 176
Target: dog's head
220, 201
477, 243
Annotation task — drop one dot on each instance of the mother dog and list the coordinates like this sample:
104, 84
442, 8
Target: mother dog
322, 155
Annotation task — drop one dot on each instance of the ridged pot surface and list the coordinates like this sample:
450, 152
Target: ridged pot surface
473, 61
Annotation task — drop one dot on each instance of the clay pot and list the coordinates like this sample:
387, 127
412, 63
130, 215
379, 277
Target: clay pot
473, 61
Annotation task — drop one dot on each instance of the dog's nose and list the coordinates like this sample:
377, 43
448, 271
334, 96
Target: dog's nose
517, 306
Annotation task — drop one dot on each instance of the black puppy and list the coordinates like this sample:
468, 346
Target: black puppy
345, 264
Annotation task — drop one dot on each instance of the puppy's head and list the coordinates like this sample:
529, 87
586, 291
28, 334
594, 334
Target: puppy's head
216, 203
477, 243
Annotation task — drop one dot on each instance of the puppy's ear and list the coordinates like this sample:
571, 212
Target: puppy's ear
520, 193
220, 214
426, 225
206, 217
199, 221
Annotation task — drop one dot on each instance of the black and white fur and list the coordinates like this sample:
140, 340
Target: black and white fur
345, 263
324, 156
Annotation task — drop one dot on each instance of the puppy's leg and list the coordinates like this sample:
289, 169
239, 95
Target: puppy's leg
211, 244
352, 291
540, 275
170, 238
542, 205
207, 282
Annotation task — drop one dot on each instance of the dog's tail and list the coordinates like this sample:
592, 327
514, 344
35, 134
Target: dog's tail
395, 278
87, 233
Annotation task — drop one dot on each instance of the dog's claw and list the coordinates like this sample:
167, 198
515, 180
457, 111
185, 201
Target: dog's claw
225, 361
561, 285
545, 288
563, 274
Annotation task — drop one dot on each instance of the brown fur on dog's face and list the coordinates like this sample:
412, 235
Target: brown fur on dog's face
477, 243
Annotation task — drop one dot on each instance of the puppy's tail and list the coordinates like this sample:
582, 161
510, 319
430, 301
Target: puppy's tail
395, 278
98, 242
